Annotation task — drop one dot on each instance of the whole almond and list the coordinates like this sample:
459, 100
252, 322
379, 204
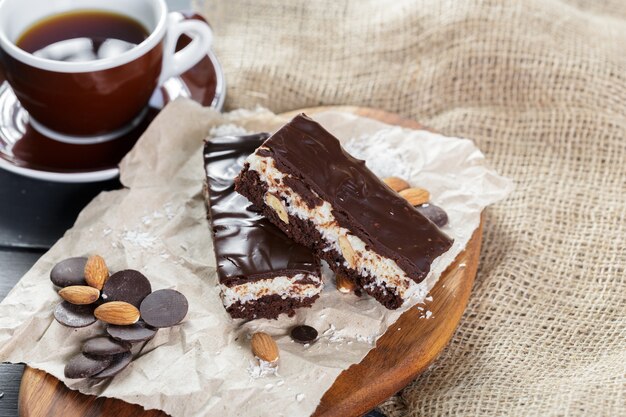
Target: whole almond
344, 284
396, 184
119, 313
264, 347
96, 272
415, 196
277, 205
79, 294
347, 251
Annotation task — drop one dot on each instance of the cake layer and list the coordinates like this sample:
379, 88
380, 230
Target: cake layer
331, 202
256, 262
269, 307
299, 286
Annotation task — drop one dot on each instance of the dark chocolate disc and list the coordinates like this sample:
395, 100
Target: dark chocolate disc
72, 315
134, 333
118, 364
81, 366
127, 285
105, 346
164, 308
69, 272
433, 213
304, 334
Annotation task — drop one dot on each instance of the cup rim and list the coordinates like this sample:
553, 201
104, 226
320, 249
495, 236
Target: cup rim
90, 66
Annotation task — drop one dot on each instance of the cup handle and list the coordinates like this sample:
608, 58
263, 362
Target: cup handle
176, 63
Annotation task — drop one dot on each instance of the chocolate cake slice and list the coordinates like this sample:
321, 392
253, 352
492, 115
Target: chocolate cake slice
320, 196
262, 273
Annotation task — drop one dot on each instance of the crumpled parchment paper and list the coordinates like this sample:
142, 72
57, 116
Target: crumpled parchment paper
158, 225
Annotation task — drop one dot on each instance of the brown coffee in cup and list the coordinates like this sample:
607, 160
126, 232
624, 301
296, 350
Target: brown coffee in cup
100, 90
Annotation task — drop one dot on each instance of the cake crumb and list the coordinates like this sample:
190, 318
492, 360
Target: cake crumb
428, 314
330, 334
262, 370
299, 397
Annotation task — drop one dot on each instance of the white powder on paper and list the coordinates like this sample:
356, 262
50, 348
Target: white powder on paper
169, 211
332, 335
142, 239
383, 160
366, 339
262, 369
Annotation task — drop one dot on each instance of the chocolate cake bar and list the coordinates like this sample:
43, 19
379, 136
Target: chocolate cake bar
320, 196
262, 273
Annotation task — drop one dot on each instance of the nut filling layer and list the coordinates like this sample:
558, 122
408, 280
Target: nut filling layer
299, 286
384, 273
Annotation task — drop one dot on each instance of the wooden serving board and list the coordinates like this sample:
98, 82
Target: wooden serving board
399, 356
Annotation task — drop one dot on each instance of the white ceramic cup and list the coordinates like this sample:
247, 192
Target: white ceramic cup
98, 100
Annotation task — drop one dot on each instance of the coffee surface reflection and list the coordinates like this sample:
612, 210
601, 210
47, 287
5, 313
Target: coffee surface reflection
82, 36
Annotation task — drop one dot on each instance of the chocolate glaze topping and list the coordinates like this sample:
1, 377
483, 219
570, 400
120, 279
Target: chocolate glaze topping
247, 246
361, 202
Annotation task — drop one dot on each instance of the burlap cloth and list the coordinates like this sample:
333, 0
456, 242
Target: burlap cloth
540, 85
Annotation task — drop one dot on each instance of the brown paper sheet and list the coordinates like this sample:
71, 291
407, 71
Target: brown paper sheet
158, 225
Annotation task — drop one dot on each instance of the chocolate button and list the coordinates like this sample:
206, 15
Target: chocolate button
304, 334
433, 213
81, 366
105, 346
118, 364
69, 272
134, 333
71, 315
127, 285
164, 308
